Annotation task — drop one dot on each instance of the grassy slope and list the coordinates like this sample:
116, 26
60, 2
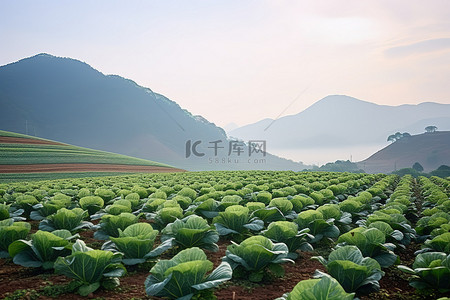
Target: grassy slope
19, 135
431, 150
22, 154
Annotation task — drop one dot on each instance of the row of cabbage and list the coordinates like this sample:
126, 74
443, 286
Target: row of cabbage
354, 266
431, 268
393, 207
360, 254
187, 220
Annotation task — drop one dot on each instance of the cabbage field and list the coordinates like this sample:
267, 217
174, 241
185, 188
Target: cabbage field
226, 235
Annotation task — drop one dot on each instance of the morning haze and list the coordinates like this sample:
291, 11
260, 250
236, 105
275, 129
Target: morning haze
243, 61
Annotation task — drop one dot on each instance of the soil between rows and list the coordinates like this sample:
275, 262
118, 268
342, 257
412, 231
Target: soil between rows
394, 285
18, 140
14, 277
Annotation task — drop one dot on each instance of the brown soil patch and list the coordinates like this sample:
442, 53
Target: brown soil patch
53, 168
34, 226
17, 140
407, 256
14, 277
88, 238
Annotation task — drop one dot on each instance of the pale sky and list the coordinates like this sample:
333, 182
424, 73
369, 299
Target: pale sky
242, 61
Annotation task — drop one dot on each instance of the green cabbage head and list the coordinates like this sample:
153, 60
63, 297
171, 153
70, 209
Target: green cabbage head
185, 275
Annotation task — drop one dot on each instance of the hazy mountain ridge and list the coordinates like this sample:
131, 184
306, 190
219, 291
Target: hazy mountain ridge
67, 100
71, 92
343, 120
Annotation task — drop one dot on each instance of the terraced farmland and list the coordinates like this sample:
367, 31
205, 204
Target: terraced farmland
226, 235
24, 157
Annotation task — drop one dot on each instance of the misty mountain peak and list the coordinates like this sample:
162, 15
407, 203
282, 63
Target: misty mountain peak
44, 63
43, 55
341, 100
339, 120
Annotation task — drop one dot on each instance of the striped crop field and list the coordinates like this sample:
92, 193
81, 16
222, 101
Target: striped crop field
22, 154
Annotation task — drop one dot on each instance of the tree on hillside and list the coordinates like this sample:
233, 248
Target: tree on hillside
340, 166
397, 136
430, 128
417, 166
443, 171
409, 171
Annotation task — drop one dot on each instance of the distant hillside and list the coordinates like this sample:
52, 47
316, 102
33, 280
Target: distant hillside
431, 150
67, 100
25, 154
343, 120
345, 125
